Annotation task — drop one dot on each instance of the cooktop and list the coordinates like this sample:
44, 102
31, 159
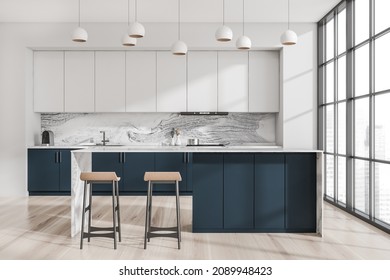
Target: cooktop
207, 145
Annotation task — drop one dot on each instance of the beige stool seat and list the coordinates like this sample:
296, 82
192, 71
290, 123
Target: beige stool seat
99, 176
89, 179
161, 178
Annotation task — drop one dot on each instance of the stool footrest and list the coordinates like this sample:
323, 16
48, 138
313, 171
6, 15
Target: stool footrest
152, 229
103, 229
108, 234
152, 234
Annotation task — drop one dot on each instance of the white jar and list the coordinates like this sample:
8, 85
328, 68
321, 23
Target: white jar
178, 140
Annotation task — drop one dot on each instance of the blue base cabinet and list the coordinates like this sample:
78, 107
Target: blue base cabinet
238, 191
269, 192
301, 192
107, 162
207, 183
168, 162
132, 166
49, 171
256, 192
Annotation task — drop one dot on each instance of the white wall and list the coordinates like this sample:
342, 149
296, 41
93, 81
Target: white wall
300, 93
19, 126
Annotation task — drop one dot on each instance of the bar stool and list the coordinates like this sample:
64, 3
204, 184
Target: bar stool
91, 178
161, 178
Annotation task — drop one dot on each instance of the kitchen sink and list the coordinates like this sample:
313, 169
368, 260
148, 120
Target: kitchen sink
101, 145
109, 145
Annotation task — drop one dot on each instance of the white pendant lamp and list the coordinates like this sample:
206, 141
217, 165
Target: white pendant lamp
289, 37
243, 42
224, 33
128, 41
136, 29
79, 34
179, 47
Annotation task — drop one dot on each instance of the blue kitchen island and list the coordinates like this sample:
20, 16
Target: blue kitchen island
234, 188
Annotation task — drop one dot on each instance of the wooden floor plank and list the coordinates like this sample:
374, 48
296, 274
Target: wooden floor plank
39, 228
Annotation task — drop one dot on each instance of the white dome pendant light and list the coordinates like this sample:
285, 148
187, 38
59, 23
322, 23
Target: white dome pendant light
289, 37
179, 47
224, 33
79, 35
243, 42
128, 41
136, 29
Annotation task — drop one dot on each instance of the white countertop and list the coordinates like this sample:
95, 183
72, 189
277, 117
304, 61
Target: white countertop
201, 149
56, 147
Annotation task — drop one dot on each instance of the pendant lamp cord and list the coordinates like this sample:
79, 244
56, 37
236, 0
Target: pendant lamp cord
136, 10
243, 17
178, 31
128, 12
223, 13
288, 15
79, 12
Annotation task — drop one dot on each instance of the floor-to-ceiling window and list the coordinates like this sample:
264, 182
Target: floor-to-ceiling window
354, 107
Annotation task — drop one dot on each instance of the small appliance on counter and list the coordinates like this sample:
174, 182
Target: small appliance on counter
47, 138
195, 142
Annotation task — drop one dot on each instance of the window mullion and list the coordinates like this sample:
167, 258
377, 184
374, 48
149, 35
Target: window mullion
335, 107
372, 113
349, 108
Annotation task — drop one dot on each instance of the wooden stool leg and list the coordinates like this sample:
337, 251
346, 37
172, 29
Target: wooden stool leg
147, 215
113, 213
150, 209
89, 212
178, 214
118, 211
83, 215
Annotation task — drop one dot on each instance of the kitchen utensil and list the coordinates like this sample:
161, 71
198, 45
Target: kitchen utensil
47, 138
193, 141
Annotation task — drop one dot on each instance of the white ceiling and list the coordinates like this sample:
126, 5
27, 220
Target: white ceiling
163, 10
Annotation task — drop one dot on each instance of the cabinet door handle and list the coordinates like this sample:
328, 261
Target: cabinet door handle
56, 157
123, 157
120, 157
59, 157
186, 157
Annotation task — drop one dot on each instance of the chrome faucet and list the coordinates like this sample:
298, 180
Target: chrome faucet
104, 141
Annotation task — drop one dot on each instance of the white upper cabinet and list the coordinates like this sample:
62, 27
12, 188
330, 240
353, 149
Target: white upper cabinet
202, 81
141, 81
264, 81
110, 89
49, 81
79, 81
171, 82
233, 81
156, 81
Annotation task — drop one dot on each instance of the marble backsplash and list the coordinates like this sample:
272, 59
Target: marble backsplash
156, 128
